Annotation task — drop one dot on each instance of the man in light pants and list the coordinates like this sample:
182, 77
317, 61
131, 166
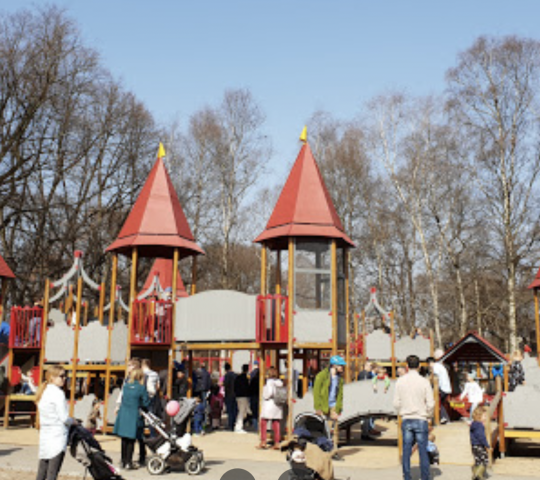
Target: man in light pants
242, 392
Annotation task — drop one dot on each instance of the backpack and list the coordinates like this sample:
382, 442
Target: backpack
280, 396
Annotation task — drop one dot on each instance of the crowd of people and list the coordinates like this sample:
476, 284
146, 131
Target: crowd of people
236, 396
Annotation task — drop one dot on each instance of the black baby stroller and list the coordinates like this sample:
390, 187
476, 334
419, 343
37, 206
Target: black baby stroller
311, 435
172, 446
87, 451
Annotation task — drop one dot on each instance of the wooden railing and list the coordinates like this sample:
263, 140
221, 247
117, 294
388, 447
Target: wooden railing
272, 318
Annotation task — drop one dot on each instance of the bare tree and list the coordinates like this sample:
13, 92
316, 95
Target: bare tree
493, 93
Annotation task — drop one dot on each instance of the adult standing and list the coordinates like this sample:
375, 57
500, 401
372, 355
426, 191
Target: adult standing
328, 393
241, 390
413, 400
180, 385
54, 423
254, 389
368, 424
201, 382
271, 412
230, 397
152, 384
445, 387
129, 423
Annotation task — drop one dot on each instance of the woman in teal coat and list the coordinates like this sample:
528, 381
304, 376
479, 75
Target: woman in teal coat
129, 423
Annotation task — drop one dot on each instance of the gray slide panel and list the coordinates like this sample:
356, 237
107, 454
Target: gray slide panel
359, 400
378, 345
119, 342
93, 342
313, 326
216, 316
420, 346
60, 339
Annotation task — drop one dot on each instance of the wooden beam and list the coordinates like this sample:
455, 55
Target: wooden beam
110, 328
44, 330
500, 418
194, 275
349, 369
393, 343
290, 342
437, 398
3, 298
132, 296
364, 339
184, 347
101, 302
522, 434
334, 295
262, 381
264, 265
176, 258
400, 438
278, 272
75, 359
537, 324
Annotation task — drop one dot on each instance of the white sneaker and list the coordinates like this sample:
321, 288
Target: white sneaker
240, 431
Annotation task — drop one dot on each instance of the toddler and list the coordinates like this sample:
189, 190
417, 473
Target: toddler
381, 376
433, 451
479, 443
28, 387
93, 417
216, 406
473, 392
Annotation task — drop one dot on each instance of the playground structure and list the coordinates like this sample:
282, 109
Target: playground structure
302, 313
381, 344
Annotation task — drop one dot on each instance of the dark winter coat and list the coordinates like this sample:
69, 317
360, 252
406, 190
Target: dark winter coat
129, 423
241, 386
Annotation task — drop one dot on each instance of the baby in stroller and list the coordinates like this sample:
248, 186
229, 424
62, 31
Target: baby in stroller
310, 450
172, 447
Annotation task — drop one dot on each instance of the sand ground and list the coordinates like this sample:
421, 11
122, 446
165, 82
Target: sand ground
225, 450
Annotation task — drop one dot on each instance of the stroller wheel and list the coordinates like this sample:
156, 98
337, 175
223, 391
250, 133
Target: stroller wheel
194, 465
155, 465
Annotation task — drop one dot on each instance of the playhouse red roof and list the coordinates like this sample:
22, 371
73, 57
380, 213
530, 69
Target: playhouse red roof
5, 271
536, 282
474, 348
304, 208
164, 268
156, 223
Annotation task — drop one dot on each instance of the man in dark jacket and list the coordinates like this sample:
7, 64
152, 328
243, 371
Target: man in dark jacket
230, 397
241, 390
180, 384
201, 382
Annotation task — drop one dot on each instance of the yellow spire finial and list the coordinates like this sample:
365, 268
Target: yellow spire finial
161, 151
303, 135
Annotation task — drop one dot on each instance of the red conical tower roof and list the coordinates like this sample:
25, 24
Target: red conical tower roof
156, 224
536, 282
5, 271
304, 208
163, 268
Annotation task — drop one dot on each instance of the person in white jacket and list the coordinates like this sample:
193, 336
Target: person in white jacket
54, 423
271, 412
473, 392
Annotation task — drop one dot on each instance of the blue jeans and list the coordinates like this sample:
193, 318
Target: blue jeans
232, 411
415, 431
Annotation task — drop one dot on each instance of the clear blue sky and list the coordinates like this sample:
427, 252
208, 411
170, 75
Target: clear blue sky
296, 56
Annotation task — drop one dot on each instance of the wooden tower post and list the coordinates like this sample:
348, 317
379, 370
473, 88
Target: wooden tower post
290, 340
110, 328
132, 296
176, 258
75, 360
